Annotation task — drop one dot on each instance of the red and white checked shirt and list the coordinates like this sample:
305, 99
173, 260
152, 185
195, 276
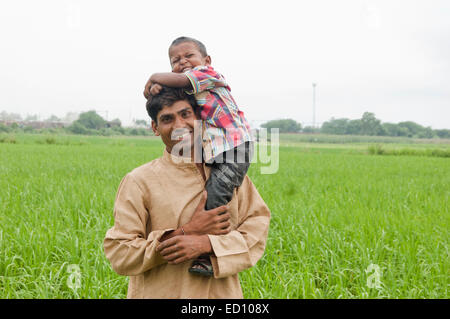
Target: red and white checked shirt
225, 126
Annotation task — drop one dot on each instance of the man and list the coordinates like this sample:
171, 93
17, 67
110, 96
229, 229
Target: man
161, 225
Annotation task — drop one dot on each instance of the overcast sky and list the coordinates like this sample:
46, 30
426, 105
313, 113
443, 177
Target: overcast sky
389, 57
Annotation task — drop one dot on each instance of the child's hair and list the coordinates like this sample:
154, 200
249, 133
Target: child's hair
201, 47
167, 97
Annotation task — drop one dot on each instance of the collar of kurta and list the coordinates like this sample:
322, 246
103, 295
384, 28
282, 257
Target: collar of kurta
177, 160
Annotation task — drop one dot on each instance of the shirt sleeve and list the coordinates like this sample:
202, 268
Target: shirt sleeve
204, 79
243, 247
126, 245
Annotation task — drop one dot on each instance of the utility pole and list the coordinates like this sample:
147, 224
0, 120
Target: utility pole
314, 105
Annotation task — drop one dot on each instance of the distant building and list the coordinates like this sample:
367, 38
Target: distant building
114, 123
36, 124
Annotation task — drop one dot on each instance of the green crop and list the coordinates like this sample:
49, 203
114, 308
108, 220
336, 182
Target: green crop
336, 210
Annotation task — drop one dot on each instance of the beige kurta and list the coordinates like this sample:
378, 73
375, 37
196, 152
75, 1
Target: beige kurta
162, 195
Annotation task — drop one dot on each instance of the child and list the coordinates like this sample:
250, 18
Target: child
227, 141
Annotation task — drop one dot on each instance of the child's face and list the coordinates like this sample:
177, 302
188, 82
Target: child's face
185, 56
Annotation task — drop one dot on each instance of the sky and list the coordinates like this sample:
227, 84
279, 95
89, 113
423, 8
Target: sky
388, 57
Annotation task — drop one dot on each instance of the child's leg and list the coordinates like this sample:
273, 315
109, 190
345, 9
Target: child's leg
224, 178
220, 186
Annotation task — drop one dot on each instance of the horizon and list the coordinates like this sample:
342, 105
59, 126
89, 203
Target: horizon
148, 120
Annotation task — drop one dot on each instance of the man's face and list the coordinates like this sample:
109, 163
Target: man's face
185, 56
175, 124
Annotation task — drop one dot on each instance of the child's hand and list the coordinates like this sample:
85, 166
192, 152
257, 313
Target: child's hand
148, 85
170, 79
147, 89
151, 89
155, 89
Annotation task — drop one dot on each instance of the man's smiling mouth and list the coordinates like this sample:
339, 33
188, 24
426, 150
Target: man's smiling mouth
181, 134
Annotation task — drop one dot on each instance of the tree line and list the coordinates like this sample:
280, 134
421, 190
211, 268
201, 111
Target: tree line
86, 123
368, 124
91, 123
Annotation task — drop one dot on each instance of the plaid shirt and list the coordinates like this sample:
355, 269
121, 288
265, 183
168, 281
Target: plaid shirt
224, 125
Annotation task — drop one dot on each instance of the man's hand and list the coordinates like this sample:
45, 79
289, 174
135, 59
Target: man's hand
213, 222
183, 248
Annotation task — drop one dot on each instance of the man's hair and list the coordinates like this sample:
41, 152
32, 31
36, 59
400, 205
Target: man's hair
167, 97
201, 47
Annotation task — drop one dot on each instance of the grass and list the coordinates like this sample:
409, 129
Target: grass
334, 215
290, 139
378, 149
335, 211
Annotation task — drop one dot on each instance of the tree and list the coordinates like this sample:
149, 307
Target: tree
310, 129
78, 128
427, 132
335, 126
4, 128
370, 125
118, 130
141, 123
403, 131
354, 127
443, 133
413, 128
391, 129
285, 125
91, 120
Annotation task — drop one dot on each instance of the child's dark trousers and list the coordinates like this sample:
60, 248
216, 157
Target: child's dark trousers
227, 173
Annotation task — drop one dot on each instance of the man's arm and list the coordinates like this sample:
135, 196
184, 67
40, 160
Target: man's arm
126, 245
191, 240
179, 249
131, 253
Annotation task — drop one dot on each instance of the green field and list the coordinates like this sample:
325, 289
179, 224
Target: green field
336, 209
